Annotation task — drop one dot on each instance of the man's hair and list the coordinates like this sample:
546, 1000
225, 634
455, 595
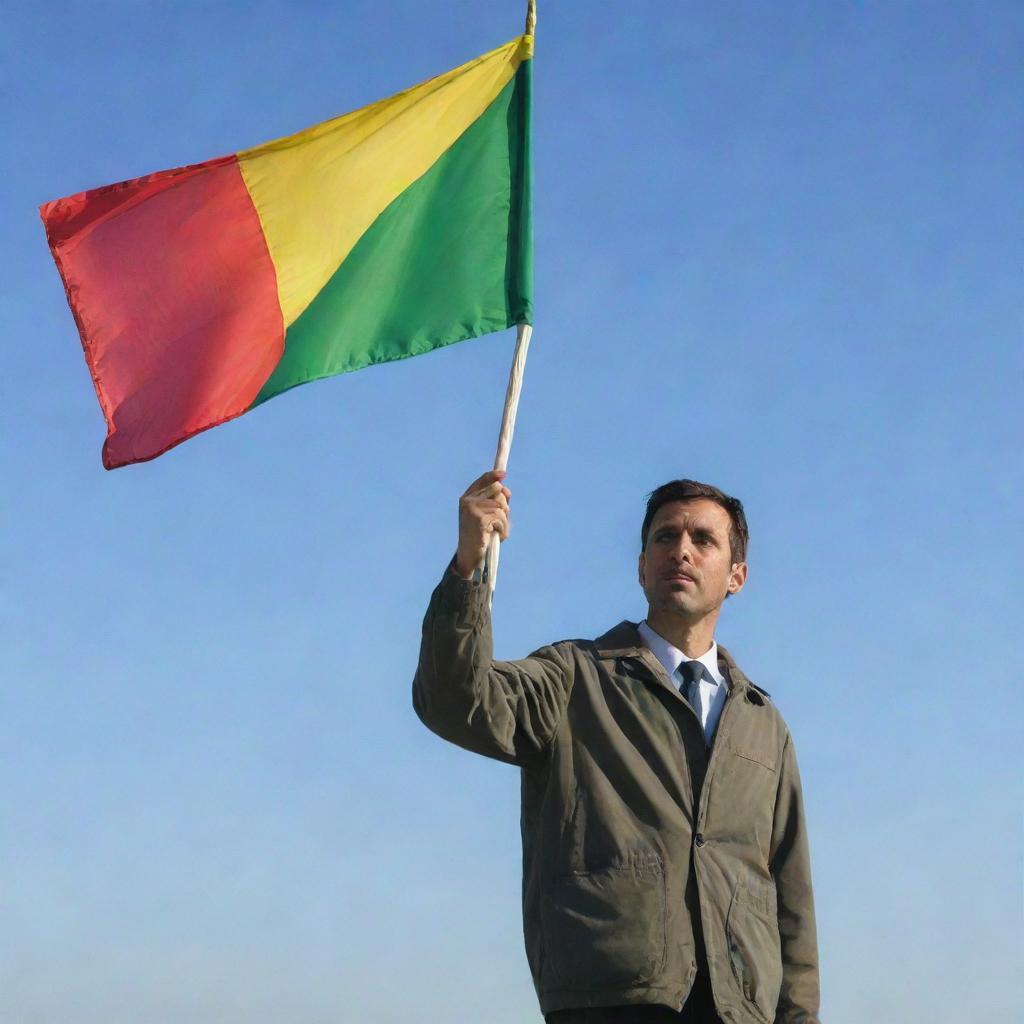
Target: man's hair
688, 490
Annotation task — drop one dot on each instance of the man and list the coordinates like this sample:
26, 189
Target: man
666, 873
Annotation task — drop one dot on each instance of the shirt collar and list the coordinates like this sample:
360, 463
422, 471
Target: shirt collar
671, 657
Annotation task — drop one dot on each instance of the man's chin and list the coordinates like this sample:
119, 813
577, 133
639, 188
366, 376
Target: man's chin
678, 603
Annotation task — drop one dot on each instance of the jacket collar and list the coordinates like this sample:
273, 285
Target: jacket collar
623, 641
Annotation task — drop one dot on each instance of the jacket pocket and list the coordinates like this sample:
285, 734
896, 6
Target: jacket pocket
765, 758
606, 928
752, 931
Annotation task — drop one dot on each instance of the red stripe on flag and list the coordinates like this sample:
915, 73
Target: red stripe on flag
175, 296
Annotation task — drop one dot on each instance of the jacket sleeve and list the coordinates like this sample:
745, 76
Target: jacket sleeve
791, 868
508, 710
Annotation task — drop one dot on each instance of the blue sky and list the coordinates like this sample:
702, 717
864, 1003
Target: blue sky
778, 248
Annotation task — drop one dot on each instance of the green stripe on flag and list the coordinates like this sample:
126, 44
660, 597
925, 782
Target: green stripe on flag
451, 258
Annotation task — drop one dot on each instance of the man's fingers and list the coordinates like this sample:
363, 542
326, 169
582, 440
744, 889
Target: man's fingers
492, 490
483, 512
492, 516
499, 524
483, 507
485, 480
474, 505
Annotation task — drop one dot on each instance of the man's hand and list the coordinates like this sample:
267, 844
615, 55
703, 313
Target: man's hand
483, 510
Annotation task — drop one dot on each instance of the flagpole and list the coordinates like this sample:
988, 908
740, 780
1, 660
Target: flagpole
515, 385
508, 425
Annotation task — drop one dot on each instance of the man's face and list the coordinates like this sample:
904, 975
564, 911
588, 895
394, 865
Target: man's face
686, 568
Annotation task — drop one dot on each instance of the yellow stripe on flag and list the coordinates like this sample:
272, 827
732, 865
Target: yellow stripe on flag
317, 192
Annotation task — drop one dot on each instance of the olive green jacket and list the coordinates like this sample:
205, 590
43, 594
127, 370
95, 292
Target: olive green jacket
642, 855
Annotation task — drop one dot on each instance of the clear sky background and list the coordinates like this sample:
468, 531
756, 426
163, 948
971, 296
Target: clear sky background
779, 247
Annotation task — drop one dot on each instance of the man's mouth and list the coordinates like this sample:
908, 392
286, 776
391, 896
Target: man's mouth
680, 577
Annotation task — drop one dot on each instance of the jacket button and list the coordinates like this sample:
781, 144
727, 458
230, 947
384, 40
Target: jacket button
698, 839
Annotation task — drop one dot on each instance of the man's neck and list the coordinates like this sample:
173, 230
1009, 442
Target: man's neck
692, 638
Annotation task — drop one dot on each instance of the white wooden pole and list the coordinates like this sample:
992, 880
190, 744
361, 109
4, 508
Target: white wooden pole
508, 425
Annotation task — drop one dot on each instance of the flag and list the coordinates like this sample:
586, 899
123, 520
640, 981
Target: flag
202, 291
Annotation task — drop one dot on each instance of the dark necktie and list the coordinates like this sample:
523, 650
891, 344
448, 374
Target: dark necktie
691, 672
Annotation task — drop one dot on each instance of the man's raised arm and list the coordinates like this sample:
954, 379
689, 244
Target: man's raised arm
508, 710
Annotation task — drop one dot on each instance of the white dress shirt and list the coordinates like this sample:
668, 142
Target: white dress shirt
713, 685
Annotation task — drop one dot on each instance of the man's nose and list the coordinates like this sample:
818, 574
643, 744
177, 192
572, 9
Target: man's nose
683, 551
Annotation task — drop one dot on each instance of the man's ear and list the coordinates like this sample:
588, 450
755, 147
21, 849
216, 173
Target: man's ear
640, 569
737, 577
